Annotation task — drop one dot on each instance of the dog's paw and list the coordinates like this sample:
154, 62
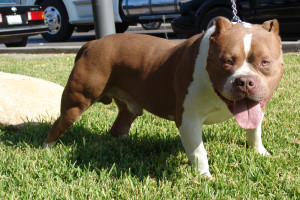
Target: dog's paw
206, 174
48, 145
262, 151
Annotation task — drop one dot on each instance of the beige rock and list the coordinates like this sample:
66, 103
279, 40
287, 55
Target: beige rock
26, 99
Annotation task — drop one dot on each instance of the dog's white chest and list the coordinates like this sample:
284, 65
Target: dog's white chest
218, 114
205, 105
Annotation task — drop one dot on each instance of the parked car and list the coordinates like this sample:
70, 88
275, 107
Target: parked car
198, 15
19, 22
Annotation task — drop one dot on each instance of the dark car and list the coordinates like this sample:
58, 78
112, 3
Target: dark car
198, 15
19, 22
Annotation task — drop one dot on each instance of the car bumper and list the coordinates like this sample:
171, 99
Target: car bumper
184, 26
23, 31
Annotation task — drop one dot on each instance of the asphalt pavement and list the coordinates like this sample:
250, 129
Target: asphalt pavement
37, 45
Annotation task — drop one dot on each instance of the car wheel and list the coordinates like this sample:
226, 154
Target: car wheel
210, 18
151, 25
22, 43
57, 19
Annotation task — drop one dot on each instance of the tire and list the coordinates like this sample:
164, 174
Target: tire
151, 25
121, 27
22, 43
209, 19
56, 17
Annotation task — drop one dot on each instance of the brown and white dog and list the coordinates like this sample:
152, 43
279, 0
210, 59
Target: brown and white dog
231, 70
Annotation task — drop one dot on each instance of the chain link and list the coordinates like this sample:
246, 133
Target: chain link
234, 11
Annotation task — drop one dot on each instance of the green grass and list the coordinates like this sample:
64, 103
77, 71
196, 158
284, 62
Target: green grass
89, 164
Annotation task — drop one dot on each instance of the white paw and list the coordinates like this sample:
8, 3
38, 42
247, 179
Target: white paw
205, 173
262, 151
48, 145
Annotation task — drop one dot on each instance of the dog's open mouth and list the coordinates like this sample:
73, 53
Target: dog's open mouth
247, 113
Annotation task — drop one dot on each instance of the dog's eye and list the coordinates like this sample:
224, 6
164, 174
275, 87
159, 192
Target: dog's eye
228, 62
265, 63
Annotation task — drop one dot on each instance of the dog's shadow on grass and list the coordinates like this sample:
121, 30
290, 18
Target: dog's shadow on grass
138, 156
156, 156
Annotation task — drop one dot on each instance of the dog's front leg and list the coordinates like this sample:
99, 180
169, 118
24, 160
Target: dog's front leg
254, 140
191, 137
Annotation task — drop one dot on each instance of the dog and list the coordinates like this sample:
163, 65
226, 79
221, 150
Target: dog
230, 70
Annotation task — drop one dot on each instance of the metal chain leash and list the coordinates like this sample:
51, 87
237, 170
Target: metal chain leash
234, 11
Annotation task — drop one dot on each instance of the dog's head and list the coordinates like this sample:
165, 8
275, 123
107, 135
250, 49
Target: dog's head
245, 66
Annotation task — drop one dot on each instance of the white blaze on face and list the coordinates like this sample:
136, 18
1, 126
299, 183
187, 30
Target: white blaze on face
247, 44
245, 68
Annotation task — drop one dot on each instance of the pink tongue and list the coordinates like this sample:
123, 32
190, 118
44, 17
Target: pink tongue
247, 113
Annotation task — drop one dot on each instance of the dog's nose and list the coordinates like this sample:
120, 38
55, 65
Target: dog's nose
245, 84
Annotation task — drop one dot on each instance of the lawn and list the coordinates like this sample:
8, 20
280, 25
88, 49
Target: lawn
87, 163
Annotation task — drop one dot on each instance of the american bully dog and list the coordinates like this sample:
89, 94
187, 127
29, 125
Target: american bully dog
230, 70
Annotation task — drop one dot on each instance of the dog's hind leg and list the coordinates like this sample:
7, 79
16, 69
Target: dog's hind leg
123, 121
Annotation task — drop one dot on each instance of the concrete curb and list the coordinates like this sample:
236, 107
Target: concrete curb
40, 50
287, 47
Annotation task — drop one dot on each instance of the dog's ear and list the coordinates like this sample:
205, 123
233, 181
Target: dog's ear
271, 26
222, 24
